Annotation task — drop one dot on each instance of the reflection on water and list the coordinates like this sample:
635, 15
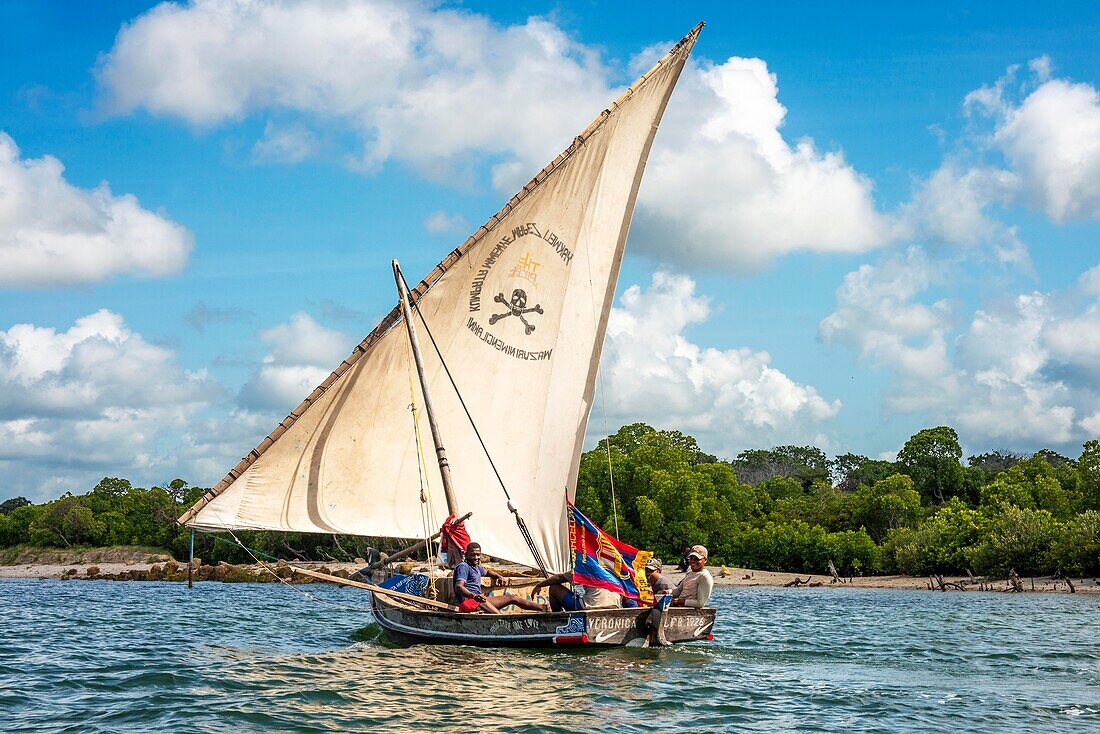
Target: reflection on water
131, 657
415, 688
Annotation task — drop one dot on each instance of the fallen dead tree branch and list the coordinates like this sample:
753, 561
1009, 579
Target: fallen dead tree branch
798, 582
937, 582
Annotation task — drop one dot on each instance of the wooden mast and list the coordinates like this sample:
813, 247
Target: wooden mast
429, 406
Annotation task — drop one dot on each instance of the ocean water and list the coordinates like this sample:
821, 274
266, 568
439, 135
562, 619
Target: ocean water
148, 657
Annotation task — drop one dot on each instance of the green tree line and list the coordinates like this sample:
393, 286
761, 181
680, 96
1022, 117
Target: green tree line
789, 508
115, 513
792, 508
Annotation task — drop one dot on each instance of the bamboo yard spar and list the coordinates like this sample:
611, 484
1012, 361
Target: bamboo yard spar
518, 312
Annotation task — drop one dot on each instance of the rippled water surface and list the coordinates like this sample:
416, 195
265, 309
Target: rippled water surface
147, 657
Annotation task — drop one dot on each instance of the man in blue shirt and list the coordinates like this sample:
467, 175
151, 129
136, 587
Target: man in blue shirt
468, 593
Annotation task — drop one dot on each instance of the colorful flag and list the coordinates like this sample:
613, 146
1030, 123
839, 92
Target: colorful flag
600, 560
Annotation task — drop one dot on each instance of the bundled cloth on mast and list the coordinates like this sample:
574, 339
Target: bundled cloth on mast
604, 562
454, 533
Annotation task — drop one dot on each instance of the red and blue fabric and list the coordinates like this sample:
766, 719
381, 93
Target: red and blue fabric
602, 561
454, 533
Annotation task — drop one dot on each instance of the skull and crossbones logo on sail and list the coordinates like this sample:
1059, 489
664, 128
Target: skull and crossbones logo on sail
517, 307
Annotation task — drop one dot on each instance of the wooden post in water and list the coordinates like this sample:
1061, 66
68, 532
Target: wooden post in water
429, 406
191, 559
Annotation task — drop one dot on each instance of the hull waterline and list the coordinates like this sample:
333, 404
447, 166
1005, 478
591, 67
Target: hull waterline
406, 624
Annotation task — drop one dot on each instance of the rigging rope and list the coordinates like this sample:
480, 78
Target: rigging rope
511, 506
610, 472
603, 392
270, 570
427, 517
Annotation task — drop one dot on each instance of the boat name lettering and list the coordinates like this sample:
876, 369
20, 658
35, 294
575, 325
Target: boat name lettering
495, 342
611, 623
505, 626
692, 621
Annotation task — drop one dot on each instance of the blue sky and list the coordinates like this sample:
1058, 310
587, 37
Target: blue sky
854, 224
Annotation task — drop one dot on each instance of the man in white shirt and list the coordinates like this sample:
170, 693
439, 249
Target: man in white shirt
694, 589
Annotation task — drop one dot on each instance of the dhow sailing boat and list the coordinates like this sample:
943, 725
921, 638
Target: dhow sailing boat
516, 318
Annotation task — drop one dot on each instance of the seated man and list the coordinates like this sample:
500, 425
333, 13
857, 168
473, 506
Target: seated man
683, 566
658, 584
586, 597
694, 589
468, 593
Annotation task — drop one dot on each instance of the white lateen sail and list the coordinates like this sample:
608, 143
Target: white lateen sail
519, 313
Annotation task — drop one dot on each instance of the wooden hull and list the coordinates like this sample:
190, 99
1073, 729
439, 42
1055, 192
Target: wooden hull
598, 627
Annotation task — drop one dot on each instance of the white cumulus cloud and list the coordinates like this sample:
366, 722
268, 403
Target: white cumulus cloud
92, 400
301, 354
1031, 140
440, 89
952, 206
53, 233
420, 84
730, 399
724, 188
876, 316
440, 222
210, 447
285, 144
1050, 138
1075, 339
1020, 371
95, 365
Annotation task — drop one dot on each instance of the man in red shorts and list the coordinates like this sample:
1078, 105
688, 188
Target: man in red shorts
468, 594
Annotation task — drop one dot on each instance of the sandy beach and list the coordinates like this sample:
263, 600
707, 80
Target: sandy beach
725, 576
730, 576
